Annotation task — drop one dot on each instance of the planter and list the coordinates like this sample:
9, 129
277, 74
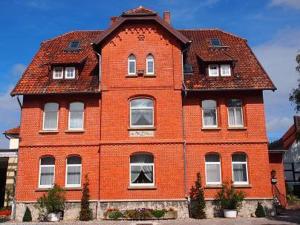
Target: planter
53, 217
230, 213
5, 212
170, 215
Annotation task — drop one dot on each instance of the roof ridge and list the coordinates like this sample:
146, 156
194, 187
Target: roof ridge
213, 29
67, 33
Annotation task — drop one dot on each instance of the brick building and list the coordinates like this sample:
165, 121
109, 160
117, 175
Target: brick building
141, 108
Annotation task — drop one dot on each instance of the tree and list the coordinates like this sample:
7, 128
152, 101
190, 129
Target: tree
27, 216
295, 95
197, 206
85, 212
260, 212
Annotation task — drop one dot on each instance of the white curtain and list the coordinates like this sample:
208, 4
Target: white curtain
74, 175
213, 173
76, 120
47, 175
136, 171
210, 118
239, 172
142, 117
50, 120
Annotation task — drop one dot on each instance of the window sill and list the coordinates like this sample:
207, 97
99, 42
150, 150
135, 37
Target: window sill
213, 186
131, 76
48, 131
141, 128
40, 189
242, 185
74, 131
149, 75
211, 128
72, 188
237, 128
142, 188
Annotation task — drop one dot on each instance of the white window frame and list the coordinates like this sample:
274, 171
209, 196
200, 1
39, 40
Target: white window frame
69, 119
142, 184
234, 109
57, 112
150, 58
129, 61
240, 162
73, 74
54, 75
210, 70
66, 177
216, 109
40, 173
225, 74
130, 109
220, 171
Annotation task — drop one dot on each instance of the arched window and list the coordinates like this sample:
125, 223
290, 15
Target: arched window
213, 169
150, 65
141, 113
76, 116
240, 168
50, 116
141, 170
47, 170
209, 113
131, 65
73, 173
235, 113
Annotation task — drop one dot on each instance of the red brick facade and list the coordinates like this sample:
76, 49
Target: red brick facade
179, 143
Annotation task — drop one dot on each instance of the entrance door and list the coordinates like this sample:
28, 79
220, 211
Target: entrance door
3, 173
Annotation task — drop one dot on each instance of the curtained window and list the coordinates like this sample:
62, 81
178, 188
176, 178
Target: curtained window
235, 113
150, 65
76, 115
141, 170
131, 65
50, 116
73, 172
213, 169
240, 169
47, 168
141, 113
209, 113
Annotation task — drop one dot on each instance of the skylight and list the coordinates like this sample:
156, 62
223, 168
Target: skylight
73, 45
215, 42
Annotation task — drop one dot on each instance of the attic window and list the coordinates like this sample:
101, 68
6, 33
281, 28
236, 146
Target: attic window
74, 45
215, 42
187, 68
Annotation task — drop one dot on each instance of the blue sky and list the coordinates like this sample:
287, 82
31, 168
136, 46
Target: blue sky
272, 28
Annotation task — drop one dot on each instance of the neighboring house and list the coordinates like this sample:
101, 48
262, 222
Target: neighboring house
8, 167
289, 142
142, 108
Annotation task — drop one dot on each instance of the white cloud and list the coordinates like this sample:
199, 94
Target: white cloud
295, 4
278, 58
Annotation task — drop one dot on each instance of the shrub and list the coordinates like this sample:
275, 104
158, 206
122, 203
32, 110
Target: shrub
229, 198
138, 214
53, 202
85, 211
197, 206
27, 216
158, 213
260, 212
115, 215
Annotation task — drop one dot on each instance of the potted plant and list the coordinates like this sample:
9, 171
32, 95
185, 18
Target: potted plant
52, 205
230, 200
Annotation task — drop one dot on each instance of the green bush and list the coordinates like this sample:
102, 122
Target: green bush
260, 212
158, 213
197, 206
85, 211
27, 216
115, 215
138, 214
229, 198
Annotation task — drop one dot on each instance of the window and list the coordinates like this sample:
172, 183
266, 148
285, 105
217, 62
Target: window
74, 45
76, 116
209, 113
141, 170
131, 65
73, 172
150, 65
213, 70
70, 72
225, 70
215, 42
141, 113
46, 176
213, 169
239, 168
235, 113
58, 73
50, 116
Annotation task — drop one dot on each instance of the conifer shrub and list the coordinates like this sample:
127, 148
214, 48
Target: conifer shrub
86, 213
260, 212
27, 215
197, 204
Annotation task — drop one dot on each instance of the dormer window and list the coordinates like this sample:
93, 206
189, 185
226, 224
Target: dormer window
74, 45
215, 42
213, 70
225, 70
70, 73
58, 73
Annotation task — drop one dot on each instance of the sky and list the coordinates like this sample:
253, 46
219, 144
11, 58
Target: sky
272, 28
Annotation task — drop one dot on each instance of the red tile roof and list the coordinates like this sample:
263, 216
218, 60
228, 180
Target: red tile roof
12, 131
140, 11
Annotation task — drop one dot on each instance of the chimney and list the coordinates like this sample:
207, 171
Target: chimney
167, 17
113, 19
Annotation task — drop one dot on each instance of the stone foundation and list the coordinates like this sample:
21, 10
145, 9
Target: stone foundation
72, 210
